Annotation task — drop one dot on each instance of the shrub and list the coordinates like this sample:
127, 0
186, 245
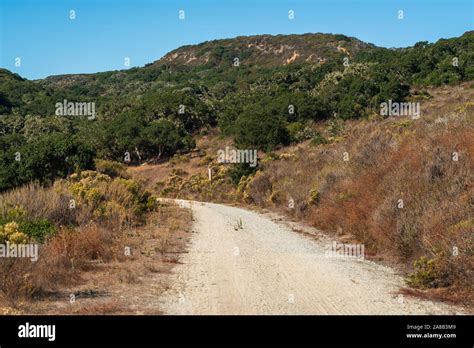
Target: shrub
277, 197
110, 168
16, 279
314, 195
295, 129
178, 171
258, 187
106, 196
206, 160
37, 229
10, 233
239, 170
269, 157
18, 238
426, 273
318, 139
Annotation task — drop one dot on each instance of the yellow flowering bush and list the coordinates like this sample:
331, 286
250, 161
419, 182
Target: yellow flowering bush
10, 232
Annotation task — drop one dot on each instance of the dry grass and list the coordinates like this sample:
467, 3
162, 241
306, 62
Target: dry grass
88, 246
91, 257
40, 202
61, 261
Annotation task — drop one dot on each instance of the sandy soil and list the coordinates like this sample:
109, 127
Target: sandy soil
259, 266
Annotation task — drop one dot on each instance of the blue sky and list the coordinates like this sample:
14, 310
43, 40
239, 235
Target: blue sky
104, 32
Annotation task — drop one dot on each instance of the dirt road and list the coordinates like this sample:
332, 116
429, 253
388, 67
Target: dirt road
242, 262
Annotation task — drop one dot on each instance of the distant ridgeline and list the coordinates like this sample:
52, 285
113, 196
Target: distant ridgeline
257, 89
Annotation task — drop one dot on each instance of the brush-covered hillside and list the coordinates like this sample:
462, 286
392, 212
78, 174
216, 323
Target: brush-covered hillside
262, 90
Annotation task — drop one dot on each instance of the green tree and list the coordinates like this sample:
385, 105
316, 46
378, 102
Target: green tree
163, 138
261, 130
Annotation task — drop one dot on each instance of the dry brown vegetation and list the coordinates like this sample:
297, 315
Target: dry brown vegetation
405, 190
115, 234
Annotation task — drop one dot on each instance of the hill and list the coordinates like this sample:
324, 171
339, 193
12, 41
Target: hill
279, 85
266, 50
